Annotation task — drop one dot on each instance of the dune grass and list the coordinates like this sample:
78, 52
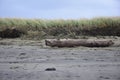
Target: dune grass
41, 28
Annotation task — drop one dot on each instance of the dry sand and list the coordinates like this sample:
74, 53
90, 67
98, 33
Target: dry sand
28, 60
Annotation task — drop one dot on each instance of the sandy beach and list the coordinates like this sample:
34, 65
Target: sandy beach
28, 60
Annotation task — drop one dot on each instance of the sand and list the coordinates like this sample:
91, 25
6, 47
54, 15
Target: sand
28, 60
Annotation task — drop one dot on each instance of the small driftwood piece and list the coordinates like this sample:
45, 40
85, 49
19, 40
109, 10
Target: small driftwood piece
50, 69
78, 42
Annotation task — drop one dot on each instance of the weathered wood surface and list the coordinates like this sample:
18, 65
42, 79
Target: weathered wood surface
78, 42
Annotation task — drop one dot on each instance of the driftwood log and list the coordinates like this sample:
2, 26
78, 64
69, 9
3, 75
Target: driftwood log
78, 42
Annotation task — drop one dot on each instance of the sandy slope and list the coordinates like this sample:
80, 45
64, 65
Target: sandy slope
20, 61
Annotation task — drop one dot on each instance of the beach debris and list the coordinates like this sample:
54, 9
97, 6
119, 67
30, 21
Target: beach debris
78, 42
50, 69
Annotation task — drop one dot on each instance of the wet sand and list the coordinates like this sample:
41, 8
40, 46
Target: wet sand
28, 60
